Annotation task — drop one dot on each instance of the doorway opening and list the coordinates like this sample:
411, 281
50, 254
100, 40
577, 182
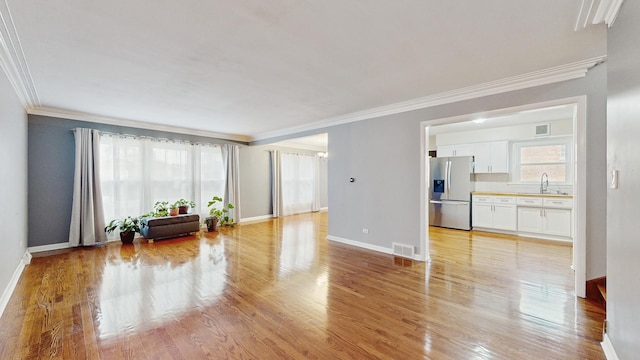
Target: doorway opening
573, 127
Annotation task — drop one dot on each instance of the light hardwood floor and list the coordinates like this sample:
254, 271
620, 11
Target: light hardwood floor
278, 289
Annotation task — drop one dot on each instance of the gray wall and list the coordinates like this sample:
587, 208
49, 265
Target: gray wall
623, 132
13, 172
51, 165
255, 179
383, 154
255, 182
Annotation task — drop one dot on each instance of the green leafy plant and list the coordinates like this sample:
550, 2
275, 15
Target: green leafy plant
220, 213
160, 209
125, 225
183, 202
173, 206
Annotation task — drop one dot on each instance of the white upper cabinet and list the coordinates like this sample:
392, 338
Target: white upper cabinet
491, 157
455, 150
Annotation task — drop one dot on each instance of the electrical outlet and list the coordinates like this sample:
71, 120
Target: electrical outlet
365, 230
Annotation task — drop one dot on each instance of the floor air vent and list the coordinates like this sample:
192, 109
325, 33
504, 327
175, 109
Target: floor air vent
403, 250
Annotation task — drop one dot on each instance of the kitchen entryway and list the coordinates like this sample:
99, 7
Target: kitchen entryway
526, 162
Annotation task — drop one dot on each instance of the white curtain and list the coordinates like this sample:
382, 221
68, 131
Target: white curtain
137, 172
298, 183
212, 178
232, 188
315, 206
87, 218
276, 183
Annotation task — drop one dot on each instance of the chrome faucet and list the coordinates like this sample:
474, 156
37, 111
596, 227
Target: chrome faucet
544, 182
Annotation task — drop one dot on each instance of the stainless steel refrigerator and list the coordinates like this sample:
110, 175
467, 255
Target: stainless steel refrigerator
452, 181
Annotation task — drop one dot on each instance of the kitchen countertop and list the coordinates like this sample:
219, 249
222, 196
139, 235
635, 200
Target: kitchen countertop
521, 194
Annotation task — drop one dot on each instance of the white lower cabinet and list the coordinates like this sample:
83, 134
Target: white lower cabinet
548, 217
482, 215
494, 212
553, 217
557, 222
530, 219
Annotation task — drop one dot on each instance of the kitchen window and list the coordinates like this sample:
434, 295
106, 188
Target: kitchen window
551, 156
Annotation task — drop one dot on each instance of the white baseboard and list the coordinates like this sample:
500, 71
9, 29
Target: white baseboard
50, 247
607, 347
360, 244
382, 249
324, 208
256, 218
8, 291
26, 258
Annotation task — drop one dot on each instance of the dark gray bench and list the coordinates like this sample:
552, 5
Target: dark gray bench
169, 226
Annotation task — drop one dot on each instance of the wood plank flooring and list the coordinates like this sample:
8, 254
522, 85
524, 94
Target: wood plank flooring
279, 290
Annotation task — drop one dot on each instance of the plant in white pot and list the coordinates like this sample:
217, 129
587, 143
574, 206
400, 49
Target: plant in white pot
218, 216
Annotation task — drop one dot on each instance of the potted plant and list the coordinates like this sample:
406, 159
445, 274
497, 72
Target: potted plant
173, 210
128, 227
161, 208
218, 216
183, 205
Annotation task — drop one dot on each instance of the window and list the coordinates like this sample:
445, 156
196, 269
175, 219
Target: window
551, 156
137, 172
298, 183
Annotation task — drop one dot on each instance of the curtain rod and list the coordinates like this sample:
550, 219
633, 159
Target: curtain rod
295, 153
151, 138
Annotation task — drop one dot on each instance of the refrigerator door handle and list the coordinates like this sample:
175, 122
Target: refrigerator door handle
448, 177
463, 203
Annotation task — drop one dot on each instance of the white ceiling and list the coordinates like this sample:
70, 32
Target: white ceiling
541, 115
319, 142
252, 68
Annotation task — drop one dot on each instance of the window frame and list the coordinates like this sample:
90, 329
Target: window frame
516, 164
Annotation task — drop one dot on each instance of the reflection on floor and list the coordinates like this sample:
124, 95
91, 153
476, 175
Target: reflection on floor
278, 289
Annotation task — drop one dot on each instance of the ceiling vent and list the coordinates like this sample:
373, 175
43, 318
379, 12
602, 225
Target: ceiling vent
542, 130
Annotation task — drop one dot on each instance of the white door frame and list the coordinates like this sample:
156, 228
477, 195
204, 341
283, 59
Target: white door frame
579, 179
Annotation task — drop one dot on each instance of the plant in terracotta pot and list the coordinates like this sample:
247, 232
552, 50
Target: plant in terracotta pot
218, 216
183, 205
128, 227
174, 210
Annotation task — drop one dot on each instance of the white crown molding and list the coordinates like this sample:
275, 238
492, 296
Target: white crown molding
295, 145
593, 12
537, 78
76, 115
607, 12
13, 60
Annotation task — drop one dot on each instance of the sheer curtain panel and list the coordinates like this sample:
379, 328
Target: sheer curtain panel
137, 172
232, 188
276, 183
87, 217
298, 177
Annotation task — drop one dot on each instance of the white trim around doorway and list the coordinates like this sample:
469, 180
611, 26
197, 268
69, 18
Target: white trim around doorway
579, 184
